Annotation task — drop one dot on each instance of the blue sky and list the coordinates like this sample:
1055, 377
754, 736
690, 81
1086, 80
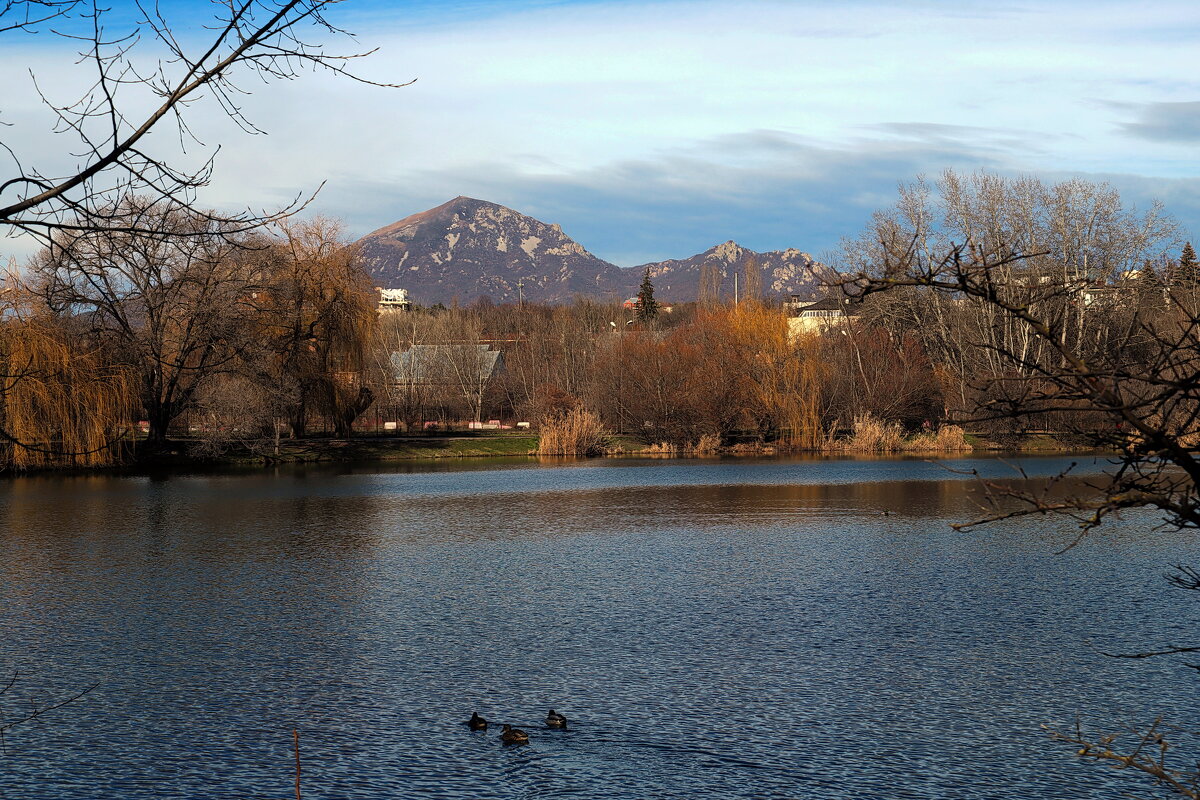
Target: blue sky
658, 129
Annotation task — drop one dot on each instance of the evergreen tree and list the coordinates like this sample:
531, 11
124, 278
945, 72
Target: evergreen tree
647, 307
1147, 276
1187, 271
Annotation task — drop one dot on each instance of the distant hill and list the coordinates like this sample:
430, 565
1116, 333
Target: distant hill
783, 272
466, 249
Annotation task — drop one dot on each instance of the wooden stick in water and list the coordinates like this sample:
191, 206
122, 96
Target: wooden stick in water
296, 744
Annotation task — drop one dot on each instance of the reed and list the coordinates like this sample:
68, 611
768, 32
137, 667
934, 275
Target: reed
874, 435
577, 432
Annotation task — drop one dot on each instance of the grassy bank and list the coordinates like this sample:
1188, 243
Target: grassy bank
492, 444
374, 448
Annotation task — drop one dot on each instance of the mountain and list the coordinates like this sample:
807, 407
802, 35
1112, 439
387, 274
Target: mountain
468, 248
782, 272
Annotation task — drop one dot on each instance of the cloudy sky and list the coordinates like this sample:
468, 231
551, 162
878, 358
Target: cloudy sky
653, 130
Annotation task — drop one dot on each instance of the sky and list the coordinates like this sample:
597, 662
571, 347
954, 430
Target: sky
653, 130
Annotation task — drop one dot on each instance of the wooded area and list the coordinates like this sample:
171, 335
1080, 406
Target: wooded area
233, 340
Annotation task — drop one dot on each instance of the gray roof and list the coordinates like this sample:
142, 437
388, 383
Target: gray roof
827, 303
442, 363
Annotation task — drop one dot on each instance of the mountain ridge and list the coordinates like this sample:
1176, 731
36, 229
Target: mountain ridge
467, 248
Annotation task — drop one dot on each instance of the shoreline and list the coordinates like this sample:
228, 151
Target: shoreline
445, 448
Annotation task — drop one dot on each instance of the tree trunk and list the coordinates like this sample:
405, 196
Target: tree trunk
343, 418
159, 415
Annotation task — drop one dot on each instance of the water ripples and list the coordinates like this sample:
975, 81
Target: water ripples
712, 630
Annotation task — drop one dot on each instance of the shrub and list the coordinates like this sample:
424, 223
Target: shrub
873, 435
577, 432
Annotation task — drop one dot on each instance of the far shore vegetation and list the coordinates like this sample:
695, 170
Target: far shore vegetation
178, 339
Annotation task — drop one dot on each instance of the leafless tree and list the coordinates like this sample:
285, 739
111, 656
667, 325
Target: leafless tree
113, 180
32, 709
150, 65
315, 314
1075, 239
1131, 368
162, 288
399, 380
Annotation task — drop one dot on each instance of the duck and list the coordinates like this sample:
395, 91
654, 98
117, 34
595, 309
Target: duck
556, 720
511, 735
476, 722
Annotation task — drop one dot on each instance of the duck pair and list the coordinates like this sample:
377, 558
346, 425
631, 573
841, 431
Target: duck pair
511, 735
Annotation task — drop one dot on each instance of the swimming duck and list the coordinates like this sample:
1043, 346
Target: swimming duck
511, 735
476, 722
556, 720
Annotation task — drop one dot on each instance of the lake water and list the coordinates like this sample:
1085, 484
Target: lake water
712, 629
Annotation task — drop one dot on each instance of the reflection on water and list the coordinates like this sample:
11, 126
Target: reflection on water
713, 629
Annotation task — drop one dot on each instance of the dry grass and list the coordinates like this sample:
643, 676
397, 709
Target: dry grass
947, 439
873, 435
577, 432
709, 444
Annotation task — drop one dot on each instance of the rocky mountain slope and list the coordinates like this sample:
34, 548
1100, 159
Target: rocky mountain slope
466, 249
781, 272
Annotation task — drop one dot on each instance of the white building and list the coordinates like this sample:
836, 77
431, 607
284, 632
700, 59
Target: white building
830, 312
394, 300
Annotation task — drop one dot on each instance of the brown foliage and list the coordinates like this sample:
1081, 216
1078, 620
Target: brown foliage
61, 405
160, 289
577, 432
871, 372
315, 311
727, 370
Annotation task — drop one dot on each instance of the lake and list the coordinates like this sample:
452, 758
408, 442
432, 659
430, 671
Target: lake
711, 628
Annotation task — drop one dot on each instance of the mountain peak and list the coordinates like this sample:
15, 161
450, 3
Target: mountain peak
728, 251
468, 248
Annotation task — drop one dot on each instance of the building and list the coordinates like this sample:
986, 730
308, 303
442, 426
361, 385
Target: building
438, 384
394, 300
796, 303
818, 316
446, 364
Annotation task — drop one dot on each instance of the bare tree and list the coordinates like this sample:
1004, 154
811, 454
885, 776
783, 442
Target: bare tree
1135, 377
103, 127
406, 394
1076, 242
315, 312
31, 709
162, 287
147, 77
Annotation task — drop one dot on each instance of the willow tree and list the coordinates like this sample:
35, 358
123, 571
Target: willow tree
62, 403
782, 378
317, 314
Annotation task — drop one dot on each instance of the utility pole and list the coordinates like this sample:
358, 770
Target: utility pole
520, 308
735, 289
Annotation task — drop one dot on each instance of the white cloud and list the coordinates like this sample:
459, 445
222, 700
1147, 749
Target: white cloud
577, 99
